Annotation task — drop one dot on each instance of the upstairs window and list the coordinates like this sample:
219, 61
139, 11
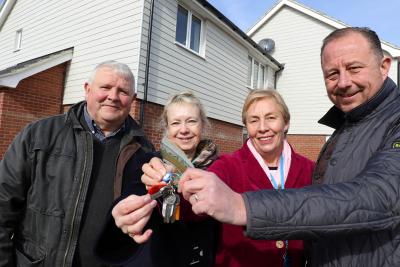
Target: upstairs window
261, 80
188, 29
256, 74
18, 40
249, 70
182, 25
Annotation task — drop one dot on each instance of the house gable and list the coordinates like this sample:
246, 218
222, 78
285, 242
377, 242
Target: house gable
298, 32
392, 50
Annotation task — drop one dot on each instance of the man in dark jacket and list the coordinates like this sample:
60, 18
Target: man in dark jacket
352, 213
60, 175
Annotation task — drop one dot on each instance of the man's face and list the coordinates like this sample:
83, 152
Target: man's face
352, 72
109, 98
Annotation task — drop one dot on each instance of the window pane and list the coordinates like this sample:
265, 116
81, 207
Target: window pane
195, 34
181, 25
249, 65
18, 40
262, 77
255, 74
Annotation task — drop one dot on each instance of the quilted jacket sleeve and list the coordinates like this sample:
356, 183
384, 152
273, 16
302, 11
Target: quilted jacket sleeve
368, 202
14, 183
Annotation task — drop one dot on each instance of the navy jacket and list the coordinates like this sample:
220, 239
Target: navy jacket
353, 211
179, 244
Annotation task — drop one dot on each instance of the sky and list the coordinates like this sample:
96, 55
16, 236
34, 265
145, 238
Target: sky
381, 16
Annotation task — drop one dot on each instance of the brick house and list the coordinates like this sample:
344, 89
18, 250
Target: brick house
48, 48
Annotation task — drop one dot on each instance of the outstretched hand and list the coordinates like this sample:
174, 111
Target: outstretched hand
132, 214
209, 195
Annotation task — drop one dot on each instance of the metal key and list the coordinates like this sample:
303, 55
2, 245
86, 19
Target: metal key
170, 202
164, 191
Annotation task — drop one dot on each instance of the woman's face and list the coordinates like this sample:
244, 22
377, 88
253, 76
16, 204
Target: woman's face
184, 127
266, 127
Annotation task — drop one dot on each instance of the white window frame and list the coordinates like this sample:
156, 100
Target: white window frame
257, 84
18, 40
189, 31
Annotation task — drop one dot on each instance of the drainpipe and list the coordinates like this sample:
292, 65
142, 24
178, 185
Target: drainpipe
398, 72
276, 75
146, 73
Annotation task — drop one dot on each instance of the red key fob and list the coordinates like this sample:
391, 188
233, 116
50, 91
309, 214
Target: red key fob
155, 188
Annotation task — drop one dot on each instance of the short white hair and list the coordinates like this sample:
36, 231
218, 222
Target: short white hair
121, 68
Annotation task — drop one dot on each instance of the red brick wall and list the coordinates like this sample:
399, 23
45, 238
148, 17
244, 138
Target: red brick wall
227, 136
152, 121
41, 96
35, 97
307, 145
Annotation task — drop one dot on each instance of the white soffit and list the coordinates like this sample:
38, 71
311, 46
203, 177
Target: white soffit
10, 77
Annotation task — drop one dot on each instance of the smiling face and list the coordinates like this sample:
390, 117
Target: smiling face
184, 127
266, 127
109, 98
353, 73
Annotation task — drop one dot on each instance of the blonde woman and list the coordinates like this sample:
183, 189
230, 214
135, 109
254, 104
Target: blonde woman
182, 243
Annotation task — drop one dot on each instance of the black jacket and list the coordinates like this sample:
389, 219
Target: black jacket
190, 242
44, 178
353, 216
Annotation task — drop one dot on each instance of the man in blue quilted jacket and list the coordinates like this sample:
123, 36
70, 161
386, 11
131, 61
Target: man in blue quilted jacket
351, 215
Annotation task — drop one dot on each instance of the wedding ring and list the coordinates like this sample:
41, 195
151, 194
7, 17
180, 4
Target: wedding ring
196, 197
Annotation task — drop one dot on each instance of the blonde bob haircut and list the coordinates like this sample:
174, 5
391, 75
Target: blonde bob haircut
185, 97
257, 95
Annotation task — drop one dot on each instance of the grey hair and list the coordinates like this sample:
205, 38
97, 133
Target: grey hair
188, 98
260, 94
121, 68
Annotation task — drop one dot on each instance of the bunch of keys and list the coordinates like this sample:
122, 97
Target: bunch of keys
170, 199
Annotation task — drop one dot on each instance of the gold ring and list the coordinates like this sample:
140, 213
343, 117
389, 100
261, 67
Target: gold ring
196, 197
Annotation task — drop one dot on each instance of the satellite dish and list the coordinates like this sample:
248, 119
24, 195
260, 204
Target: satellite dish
267, 44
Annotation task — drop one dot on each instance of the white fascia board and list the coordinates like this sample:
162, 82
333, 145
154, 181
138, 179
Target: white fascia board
5, 11
391, 49
12, 79
394, 51
303, 9
266, 17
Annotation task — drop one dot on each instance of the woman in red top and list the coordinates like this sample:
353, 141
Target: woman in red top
265, 161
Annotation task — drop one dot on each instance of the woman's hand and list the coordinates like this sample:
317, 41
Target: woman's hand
132, 214
154, 171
